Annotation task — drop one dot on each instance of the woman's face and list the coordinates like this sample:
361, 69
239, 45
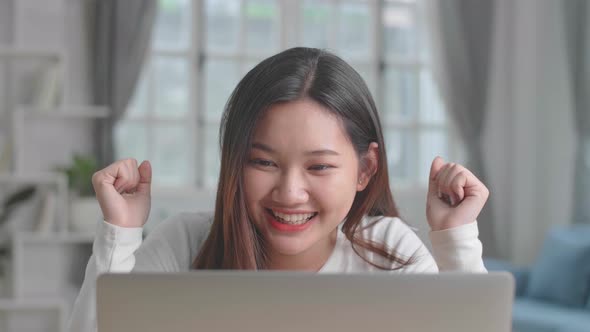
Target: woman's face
300, 180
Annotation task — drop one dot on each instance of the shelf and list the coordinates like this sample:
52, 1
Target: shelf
56, 183
65, 111
45, 268
55, 237
31, 304
49, 265
11, 52
34, 178
32, 315
39, 142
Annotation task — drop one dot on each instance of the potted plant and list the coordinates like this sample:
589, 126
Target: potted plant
84, 209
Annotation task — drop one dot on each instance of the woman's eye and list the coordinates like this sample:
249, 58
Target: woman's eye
320, 167
262, 162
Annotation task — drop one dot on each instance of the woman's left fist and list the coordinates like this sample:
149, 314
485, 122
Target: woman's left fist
455, 195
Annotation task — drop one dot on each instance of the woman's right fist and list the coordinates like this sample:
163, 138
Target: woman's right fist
123, 192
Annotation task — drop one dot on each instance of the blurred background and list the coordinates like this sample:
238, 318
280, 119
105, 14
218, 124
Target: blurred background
498, 85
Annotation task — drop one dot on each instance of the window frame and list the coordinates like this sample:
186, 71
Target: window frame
290, 35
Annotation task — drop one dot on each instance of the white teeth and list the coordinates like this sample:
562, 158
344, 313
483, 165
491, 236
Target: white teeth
293, 218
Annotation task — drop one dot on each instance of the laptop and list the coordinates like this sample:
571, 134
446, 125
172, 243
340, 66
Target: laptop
252, 301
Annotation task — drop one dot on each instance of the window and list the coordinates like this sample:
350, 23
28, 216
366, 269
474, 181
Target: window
194, 64
160, 123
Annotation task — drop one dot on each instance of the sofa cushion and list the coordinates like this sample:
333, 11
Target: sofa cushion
535, 316
520, 273
561, 273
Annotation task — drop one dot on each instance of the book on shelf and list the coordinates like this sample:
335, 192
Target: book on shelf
5, 153
47, 212
48, 89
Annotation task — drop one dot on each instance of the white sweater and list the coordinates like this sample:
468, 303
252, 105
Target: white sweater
173, 245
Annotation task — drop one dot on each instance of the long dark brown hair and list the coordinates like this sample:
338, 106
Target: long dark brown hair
234, 242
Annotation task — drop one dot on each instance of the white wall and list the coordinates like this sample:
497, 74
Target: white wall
529, 140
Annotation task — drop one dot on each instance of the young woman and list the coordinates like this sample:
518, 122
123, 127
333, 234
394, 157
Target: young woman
303, 186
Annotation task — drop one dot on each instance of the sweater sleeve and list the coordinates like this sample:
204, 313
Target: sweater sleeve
112, 251
169, 247
404, 241
458, 249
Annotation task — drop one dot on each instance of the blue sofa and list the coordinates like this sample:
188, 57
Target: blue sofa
554, 293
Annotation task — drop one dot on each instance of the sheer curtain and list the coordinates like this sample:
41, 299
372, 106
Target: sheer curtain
461, 38
577, 43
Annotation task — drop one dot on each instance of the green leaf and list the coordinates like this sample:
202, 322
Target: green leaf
79, 174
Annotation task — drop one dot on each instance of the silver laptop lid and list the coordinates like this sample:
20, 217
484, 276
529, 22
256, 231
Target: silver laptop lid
286, 301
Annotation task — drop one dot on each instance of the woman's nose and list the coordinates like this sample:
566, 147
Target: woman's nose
291, 189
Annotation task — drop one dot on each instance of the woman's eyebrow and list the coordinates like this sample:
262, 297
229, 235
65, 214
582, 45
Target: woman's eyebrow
263, 147
266, 148
322, 152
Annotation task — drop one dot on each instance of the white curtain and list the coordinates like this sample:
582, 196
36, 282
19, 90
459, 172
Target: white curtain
577, 48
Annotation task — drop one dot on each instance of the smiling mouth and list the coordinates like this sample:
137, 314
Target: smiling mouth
292, 219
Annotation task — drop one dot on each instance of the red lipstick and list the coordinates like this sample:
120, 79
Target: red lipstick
282, 227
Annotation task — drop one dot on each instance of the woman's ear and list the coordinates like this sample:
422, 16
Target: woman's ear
368, 166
